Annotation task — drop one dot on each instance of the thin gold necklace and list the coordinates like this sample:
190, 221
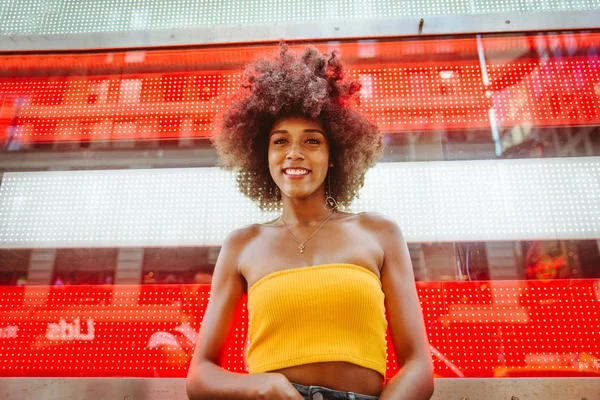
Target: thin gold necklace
301, 244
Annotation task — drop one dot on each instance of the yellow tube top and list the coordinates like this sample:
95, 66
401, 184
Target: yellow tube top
330, 312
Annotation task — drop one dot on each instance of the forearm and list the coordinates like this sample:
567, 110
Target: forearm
209, 381
413, 382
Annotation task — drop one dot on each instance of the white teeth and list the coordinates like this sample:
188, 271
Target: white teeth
296, 171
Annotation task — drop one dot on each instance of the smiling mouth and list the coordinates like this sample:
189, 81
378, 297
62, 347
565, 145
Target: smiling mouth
296, 172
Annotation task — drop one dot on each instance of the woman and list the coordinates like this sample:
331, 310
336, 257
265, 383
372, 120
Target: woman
319, 280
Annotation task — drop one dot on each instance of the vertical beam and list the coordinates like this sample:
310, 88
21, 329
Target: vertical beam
128, 272
502, 260
41, 266
39, 276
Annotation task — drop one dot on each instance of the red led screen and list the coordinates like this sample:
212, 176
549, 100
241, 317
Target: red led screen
491, 83
476, 329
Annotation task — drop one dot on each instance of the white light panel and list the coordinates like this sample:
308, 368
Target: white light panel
68, 16
523, 199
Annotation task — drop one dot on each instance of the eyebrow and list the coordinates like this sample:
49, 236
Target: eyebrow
305, 131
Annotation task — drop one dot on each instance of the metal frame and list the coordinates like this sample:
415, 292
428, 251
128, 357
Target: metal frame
174, 388
310, 30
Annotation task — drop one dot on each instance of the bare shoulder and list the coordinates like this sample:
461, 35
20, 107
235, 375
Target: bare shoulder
380, 225
233, 245
240, 237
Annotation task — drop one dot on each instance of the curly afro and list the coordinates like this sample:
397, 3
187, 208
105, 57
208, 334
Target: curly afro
310, 84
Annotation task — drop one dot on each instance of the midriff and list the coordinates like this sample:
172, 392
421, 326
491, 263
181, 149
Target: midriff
336, 375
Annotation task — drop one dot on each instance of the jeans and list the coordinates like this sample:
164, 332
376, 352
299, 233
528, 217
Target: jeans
324, 393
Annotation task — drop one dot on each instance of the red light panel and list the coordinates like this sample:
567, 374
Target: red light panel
407, 85
476, 329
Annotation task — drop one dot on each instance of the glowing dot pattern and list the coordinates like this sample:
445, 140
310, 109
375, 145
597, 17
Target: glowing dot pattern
113, 108
523, 199
62, 16
547, 92
120, 206
476, 329
416, 85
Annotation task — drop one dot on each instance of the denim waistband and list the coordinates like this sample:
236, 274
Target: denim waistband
325, 393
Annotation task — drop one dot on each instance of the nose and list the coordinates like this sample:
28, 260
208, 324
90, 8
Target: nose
295, 152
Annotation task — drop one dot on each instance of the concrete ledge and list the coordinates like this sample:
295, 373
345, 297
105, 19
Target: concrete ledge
174, 389
355, 28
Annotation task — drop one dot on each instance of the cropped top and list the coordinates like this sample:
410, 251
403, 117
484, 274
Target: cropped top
330, 312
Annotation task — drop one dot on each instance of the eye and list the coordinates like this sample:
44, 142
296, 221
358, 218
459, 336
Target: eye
279, 141
313, 141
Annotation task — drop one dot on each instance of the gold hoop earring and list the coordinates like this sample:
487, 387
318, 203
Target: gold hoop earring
330, 203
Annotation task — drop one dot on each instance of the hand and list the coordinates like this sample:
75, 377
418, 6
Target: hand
275, 386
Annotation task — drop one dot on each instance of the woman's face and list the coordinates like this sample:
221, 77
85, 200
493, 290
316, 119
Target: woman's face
298, 156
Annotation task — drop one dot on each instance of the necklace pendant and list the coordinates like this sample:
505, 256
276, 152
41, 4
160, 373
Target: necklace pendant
301, 247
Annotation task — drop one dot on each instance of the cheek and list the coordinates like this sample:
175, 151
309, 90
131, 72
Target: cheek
270, 156
273, 161
327, 154
325, 158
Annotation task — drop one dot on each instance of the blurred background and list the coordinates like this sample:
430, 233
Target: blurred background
112, 209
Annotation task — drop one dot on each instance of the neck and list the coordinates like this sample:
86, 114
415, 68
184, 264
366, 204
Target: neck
305, 211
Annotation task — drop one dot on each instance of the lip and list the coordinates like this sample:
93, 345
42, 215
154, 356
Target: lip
290, 176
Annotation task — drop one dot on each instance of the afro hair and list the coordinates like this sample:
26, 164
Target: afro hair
310, 84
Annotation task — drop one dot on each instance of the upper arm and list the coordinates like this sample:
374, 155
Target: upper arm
402, 305
226, 291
